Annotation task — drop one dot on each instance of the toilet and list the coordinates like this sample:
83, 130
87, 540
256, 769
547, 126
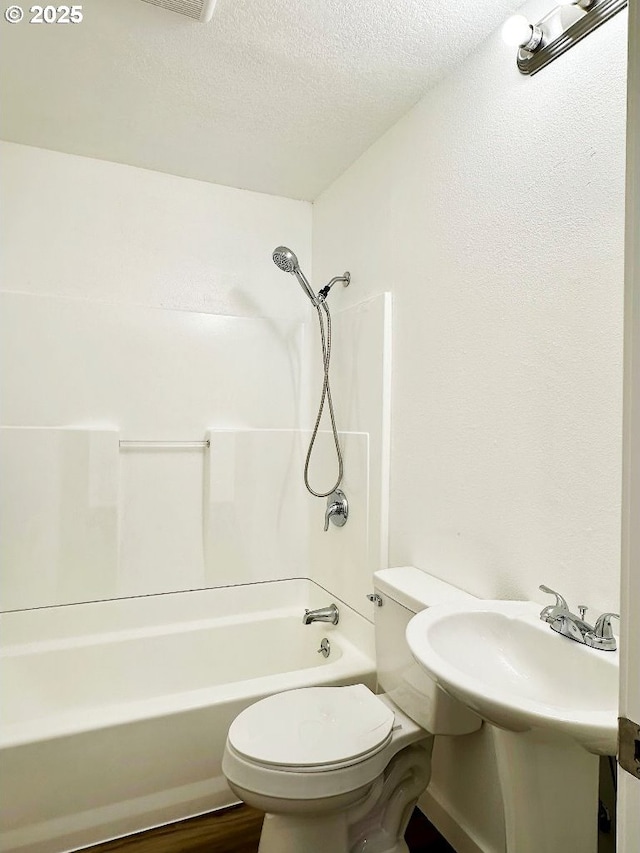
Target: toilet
340, 768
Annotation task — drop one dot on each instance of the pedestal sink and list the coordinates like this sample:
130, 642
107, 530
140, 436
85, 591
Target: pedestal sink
553, 706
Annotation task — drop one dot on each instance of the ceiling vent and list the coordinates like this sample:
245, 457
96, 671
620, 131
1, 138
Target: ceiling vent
200, 10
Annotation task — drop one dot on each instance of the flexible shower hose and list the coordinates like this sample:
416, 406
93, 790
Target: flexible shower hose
326, 395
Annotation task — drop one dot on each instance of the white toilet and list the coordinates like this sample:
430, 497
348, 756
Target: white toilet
339, 768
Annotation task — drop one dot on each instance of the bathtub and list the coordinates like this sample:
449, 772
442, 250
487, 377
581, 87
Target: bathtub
114, 714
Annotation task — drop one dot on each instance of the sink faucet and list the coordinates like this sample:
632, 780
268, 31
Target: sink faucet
560, 619
322, 614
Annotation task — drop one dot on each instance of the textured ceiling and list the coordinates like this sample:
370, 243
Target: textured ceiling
278, 96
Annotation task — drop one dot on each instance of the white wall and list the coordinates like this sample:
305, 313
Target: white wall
74, 226
136, 306
494, 212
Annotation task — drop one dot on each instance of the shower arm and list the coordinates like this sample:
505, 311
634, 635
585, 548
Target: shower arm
324, 292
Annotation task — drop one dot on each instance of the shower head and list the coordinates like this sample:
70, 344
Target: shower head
285, 260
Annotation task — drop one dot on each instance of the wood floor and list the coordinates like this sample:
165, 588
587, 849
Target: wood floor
237, 830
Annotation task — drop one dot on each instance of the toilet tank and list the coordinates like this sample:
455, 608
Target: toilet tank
404, 591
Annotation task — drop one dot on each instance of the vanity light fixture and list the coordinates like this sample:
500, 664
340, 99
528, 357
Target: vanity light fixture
200, 10
518, 32
571, 20
583, 4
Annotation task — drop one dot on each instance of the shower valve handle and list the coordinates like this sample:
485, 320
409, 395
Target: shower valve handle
337, 509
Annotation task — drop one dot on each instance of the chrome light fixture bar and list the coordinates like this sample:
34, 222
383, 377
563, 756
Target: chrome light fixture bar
199, 10
566, 25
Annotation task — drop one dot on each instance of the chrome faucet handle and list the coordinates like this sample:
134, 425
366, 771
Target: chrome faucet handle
603, 627
337, 509
549, 612
560, 601
332, 509
602, 636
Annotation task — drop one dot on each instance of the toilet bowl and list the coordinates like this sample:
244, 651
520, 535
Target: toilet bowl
341, 768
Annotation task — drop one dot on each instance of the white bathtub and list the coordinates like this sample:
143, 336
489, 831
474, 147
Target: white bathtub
114, 714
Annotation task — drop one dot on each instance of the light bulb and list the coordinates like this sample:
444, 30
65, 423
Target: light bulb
516, 31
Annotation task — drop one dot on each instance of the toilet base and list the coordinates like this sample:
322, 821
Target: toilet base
370, 820
293, 833
381, 828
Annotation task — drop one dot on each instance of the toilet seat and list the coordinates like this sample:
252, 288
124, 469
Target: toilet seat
313, 729
304, 783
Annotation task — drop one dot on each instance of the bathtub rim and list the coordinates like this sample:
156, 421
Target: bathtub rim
353, 637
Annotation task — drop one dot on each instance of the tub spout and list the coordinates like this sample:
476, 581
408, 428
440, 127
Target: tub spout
322, 614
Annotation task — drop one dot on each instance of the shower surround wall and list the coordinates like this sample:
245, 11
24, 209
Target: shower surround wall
85, 228
144, 307
151, 312
494, 212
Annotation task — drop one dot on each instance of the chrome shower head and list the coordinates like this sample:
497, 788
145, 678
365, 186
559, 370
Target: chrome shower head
286, 261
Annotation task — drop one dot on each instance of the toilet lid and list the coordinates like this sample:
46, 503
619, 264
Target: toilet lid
312, 726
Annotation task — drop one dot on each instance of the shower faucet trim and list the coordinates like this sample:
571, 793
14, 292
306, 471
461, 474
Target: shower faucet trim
322, 614
337, 511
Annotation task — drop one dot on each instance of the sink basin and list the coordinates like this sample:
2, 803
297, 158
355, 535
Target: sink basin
503, 662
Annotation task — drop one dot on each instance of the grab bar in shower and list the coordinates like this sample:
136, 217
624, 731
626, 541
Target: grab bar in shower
164, 445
